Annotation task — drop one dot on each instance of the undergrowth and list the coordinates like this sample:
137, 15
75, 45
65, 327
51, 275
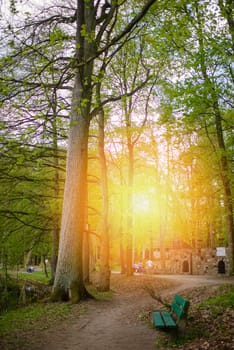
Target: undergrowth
219, 303
203, 319
99, 295
41, 315
25, 318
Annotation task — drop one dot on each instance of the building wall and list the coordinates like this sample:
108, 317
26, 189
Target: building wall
188, 261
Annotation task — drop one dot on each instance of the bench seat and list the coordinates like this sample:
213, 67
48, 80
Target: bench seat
163, 319
169, 320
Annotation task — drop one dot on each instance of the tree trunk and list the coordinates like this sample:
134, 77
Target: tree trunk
69, 274
69, 282
122, 247
56, 224
104, 278
86, 255
27, 258
54, 252
129, 238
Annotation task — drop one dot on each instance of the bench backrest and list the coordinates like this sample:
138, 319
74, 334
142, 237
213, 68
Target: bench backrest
179, 306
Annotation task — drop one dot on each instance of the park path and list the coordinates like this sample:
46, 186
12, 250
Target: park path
114, 324
193, 281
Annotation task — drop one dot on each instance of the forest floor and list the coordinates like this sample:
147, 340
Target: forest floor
124, 321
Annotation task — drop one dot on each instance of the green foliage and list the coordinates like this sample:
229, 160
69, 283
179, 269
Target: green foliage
11, 288
55, 36
30, 200
26, 318
35, 276
89, 36
9, 293
99, 295
13, 6
219, 303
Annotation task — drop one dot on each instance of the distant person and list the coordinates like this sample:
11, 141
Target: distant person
149, 266
149, 263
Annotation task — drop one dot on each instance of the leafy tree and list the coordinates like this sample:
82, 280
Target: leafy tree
90, 38
200, 90
36, 113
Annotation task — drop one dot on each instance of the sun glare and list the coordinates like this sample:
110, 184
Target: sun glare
140, 203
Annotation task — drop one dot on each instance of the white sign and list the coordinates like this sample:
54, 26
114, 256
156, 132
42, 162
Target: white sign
220, 251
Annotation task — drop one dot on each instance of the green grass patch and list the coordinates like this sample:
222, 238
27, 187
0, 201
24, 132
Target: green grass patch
99, 295
10, 297
218, 303
28, 317
116, 268
35, 276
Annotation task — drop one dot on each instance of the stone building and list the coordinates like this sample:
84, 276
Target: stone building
181, 258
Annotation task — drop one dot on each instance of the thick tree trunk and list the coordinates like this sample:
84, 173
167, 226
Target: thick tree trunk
69, 282
69, 276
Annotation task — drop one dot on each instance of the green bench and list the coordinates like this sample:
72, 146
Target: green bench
169, 320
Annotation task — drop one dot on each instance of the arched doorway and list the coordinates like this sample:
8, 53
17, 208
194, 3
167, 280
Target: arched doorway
221, 267
185, 266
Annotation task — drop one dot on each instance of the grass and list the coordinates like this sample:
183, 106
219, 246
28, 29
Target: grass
35, 276
40, 315
116, 268
26, 317
99, 295
223, 300
10, 300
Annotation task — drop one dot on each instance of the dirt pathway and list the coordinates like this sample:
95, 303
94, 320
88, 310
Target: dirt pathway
114, 324
107, 325
191, 281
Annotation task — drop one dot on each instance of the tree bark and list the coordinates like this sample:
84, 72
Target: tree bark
104, 277
129, 238
69, 274
69, 282
56, 223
